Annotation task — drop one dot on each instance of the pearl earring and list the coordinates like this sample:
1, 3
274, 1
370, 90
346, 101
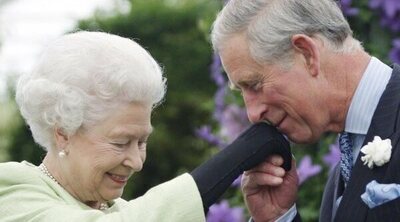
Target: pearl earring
62, 154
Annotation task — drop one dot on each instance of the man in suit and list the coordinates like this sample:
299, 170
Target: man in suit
298, 67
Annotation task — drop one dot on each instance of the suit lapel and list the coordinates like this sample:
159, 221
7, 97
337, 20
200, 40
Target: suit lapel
339, 187
331, 193
383, 124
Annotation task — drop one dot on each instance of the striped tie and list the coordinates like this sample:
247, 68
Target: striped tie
346, 157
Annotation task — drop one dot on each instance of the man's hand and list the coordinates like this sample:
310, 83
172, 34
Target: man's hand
268, 190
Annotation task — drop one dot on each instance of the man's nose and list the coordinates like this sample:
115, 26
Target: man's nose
255, 109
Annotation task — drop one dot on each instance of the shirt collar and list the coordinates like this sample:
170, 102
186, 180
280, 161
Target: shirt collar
367, 96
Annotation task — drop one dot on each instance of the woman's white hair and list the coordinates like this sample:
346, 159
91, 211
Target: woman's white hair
79, 80
269, 25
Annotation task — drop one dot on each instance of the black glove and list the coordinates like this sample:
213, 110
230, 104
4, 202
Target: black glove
251, 148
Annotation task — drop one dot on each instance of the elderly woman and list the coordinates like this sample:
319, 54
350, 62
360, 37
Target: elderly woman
88, 104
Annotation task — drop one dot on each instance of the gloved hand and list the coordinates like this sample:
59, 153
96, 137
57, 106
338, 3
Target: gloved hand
251, 148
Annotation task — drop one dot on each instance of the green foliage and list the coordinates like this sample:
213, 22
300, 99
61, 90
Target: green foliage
366, 27
16, 142
174, 33
310, 192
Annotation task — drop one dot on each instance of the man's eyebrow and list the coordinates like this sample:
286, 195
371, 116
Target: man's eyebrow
249, 80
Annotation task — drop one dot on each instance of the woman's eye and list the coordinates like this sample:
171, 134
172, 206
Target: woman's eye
121, 144
142, 145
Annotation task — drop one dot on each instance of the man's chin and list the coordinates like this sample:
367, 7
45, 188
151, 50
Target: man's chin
302, 139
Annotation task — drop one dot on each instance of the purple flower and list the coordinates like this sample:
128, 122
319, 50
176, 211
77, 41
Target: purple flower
394, 54
392, 23
219, 79
219, 100
389, 7
234, 121
216, 71
375, 4
306, 169
237, 182
205, 133
347, 9
390, 10
223, 213
333, 157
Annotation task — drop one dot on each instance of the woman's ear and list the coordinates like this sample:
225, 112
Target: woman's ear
61, 138
308, 48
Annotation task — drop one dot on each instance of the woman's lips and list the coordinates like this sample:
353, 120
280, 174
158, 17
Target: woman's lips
118, 178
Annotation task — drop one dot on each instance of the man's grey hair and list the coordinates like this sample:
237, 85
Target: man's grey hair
268, 26
83, 77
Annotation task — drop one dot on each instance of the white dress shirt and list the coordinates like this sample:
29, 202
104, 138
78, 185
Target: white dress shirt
364, 103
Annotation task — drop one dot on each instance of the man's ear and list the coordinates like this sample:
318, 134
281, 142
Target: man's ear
307, 46
61, 138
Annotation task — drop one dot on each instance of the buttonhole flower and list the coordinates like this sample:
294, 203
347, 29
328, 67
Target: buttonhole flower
377, 152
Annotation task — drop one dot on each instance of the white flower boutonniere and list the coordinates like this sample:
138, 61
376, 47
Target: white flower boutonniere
377, 152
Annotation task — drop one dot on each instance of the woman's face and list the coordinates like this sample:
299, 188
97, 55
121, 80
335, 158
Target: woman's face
101, 159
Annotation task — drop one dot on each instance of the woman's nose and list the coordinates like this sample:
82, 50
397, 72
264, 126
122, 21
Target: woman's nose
134, 159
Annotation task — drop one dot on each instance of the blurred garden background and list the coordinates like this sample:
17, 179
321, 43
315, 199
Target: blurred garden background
201, 115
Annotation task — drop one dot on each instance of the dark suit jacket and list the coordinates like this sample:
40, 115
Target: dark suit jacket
386, 124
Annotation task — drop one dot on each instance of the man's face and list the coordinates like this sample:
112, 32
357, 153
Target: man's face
292, 99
